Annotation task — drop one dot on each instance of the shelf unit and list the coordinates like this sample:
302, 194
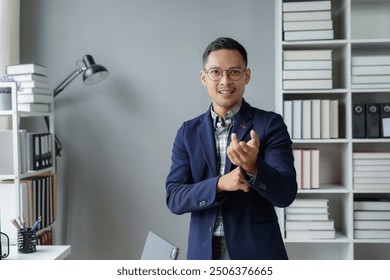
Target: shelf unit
17, 176
360, 27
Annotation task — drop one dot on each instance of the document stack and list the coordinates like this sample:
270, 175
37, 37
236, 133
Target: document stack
371, 218
309, 219
307, 166
371, 170
307, 69
307, 20
33, 94
370, 71
312, 118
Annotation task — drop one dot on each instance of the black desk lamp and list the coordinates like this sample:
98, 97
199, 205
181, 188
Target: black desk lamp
93, 74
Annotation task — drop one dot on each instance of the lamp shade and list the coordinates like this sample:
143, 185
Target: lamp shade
94, 73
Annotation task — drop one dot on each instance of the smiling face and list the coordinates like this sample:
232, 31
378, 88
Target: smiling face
225, 93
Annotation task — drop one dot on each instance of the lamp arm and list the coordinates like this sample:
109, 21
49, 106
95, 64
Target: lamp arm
57, 142
68, 80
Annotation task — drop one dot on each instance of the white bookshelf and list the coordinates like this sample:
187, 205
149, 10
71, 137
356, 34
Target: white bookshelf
360, 27
14, 178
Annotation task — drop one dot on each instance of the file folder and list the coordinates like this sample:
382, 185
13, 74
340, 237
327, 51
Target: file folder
359, 120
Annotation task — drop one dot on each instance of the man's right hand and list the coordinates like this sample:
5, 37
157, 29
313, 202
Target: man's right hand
232, 181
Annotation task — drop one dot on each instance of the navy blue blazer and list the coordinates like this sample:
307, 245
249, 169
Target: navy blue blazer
250, 221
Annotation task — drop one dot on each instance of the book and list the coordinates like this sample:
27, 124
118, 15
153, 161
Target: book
297, 119
306, 74
357, 174
308, 35
334, 119
34, 90
363, 233
309, 202
310, 225
33, 84
372, 205
315, 168
372, 180
298, 164
371, 70
359, 120
34, 107
307, 210
307, 65
307, 25
26, 69
308, 84
371, 186
306, 119
371, 155
306, 6
371, 225
30, 77
371, 215
309, 15
371, 79
307, 217
370, 60
287, 115
306, 178
35, 98
311, 234
323, 54
325, 118
368, 168
315, 118
374, 162
370, 86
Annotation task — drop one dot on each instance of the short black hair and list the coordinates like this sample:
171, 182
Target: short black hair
225, 43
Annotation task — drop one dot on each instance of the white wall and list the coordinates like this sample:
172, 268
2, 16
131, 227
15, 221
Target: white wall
117, 135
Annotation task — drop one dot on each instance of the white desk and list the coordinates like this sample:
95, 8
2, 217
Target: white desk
44, 252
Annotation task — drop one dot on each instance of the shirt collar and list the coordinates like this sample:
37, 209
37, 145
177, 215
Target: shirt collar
228, 119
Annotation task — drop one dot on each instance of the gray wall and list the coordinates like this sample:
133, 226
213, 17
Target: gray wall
117, 135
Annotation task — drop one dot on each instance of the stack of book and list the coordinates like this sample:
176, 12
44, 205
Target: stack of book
370, 71
33, 94
307, 166
371, 218
307, 20
371, 170
312, 118
307, 69
309, 219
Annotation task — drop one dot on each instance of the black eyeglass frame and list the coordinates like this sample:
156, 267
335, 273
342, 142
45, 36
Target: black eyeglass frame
227, 70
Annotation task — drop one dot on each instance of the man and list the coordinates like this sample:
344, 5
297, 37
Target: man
231, 166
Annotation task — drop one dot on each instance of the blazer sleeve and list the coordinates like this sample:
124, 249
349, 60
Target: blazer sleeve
183, 195
276, 177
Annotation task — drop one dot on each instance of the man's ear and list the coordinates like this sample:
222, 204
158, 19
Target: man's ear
247, 75
203, 77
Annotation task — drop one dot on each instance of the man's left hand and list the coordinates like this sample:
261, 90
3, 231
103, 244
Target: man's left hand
243, 153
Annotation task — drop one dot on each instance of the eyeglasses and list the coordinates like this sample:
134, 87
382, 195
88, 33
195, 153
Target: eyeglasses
215, 74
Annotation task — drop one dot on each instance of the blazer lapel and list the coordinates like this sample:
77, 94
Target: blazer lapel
207, 142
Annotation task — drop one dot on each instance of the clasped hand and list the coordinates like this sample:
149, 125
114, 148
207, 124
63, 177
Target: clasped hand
242, 154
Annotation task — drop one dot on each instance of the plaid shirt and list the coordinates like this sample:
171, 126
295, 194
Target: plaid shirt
222, 129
